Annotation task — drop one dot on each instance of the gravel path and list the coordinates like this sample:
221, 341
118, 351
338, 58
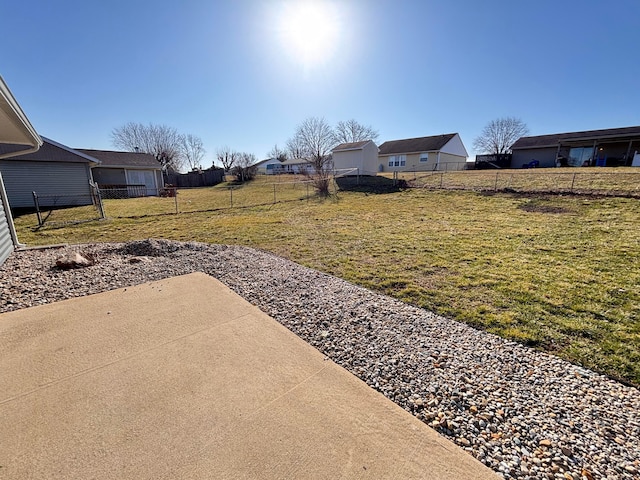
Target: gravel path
523, 413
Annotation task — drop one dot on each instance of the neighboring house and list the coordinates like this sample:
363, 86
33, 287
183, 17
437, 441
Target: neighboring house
139, 173
610, 147
362, 157
16, 136
273, 166
439, 152
270, 166
60, 176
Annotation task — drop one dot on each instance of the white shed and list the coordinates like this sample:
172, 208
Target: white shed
357, 158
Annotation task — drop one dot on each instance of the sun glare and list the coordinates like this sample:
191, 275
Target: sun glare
309, 31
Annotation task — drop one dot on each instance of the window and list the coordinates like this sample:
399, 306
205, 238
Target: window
579, 157
424, 157
397, 160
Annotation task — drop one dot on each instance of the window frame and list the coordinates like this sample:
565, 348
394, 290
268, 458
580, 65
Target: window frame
397, 160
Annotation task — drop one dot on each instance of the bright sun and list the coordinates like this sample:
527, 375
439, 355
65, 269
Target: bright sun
309, 31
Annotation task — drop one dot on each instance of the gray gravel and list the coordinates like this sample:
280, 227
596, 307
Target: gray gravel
523, 413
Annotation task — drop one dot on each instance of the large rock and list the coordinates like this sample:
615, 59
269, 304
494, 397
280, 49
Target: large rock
73, 260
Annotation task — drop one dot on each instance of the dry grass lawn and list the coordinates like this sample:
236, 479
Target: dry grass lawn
559, 273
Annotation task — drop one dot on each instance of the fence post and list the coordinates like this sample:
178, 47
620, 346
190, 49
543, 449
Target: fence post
274, 193
573, 181
231, 195
357, 175
307, 184
100, 204
175, 198
37, 205
495, 187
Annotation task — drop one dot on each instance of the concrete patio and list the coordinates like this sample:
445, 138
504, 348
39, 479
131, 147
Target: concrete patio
182, 378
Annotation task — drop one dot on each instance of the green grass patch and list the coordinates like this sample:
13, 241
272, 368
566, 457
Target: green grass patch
560, 273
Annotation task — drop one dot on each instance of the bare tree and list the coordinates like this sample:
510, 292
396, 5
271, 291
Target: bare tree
244, 168
161, 141
227, 157
277, 153
315, 139
352, 131
295, 149
192, 150
498, 135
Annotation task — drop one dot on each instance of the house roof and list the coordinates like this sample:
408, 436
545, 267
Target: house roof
111, 159
541, 141
52, 151
351, 146
16, 132
415, 145
262, 162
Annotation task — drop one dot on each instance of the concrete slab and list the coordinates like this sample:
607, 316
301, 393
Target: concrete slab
182, 378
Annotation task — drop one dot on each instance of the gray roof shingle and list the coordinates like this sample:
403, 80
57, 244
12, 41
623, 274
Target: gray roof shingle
541, 141
351, 146
51, 151
415, 145
110, 158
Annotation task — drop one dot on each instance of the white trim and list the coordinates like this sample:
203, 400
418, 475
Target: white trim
10, 107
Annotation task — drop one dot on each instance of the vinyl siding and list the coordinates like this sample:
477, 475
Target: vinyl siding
6, 242
57, 183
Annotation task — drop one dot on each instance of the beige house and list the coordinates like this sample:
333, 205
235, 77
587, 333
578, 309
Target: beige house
436, 153
357, 158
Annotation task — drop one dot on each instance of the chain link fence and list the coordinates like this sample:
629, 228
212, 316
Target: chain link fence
172, 200
134, 201
55, 210
622, 183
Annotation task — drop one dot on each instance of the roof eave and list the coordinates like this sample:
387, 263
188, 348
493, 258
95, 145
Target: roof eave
26, 134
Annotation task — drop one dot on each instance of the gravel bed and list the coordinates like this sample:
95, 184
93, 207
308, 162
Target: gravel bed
523, 413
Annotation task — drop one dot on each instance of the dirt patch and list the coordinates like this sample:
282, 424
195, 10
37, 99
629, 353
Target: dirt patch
537, 207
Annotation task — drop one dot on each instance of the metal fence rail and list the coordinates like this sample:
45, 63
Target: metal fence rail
625, 184
65, 209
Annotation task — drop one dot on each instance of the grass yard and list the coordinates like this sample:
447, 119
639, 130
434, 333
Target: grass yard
559, 273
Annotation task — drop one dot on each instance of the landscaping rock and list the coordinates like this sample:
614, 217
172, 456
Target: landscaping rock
73, 260
524, 413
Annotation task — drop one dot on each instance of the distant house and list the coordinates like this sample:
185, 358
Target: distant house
60, 176
17, 135
438, 152
270, 166
361, 157
273, 166
139, 173
610, 147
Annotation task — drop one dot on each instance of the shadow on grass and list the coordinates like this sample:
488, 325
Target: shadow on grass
374, 185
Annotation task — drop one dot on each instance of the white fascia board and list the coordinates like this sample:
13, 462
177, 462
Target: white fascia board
18, 129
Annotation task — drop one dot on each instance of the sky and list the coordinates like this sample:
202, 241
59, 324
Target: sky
246, 73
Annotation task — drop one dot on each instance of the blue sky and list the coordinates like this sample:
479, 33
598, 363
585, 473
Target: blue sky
227, 70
